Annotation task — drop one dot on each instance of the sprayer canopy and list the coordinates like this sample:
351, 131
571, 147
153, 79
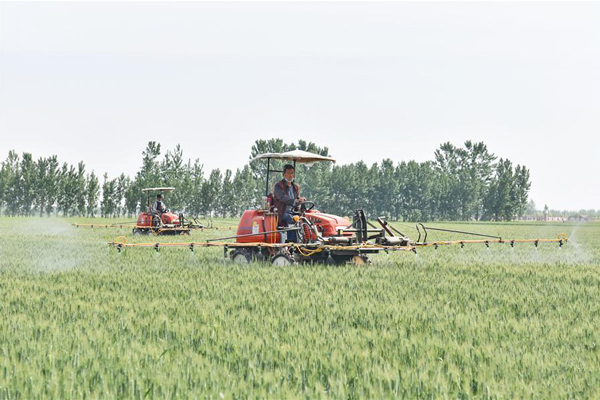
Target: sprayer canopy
158, 189
299, 156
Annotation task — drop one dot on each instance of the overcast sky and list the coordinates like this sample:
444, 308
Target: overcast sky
97, 81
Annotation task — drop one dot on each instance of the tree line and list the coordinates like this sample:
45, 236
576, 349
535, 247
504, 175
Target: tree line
459, 183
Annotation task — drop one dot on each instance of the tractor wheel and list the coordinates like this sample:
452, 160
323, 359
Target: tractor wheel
240, 257
281, 260
136, 232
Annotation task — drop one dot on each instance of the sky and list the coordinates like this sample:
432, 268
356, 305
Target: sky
370, 80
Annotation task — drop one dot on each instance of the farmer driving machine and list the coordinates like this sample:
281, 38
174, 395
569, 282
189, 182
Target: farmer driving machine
153, 221
156, 222
320, 237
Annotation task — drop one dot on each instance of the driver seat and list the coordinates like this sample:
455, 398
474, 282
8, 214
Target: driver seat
271, 202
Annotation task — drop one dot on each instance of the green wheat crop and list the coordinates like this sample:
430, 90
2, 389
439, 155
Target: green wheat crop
80, 320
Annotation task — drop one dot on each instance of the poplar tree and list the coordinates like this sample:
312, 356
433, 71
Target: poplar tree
227, 197
80, 192
27, 183
11, 178
92, 194
50, 184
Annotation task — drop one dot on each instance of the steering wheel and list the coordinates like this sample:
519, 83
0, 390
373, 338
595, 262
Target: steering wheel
305, 205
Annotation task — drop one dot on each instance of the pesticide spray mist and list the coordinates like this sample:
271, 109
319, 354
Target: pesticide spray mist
46, 244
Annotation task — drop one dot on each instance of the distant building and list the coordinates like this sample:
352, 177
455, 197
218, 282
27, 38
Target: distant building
580, 218
552, 218
530, 218
542, 218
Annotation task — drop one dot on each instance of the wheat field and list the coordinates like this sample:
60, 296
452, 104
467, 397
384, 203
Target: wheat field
80, 320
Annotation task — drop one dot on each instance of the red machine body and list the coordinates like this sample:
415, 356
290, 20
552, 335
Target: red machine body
168, 218
254, 222
256, 226
328, 224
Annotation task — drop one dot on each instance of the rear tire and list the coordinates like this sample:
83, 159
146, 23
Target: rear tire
281, 260
240, 257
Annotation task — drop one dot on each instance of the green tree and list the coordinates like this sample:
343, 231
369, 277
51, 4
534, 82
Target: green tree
196, 177
80, 192
211, 192
460, 183
108, 204
41, 196
480, 164
149, 174
3, 185
172, 171
411, 191
67, 190
51, 183
499, 204
447, 161
464, 176
226, 204
92, 194
520, 190
132, 198
121, 185
386, 190
244, 188
11, 178
27, 184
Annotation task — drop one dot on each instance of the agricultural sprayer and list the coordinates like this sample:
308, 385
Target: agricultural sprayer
155, 222
320, 237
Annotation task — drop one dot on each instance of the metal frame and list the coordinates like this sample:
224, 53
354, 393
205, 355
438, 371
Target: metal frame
269, 170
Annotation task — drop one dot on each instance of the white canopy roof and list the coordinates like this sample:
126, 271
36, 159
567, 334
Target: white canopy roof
300, 156
158, 189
